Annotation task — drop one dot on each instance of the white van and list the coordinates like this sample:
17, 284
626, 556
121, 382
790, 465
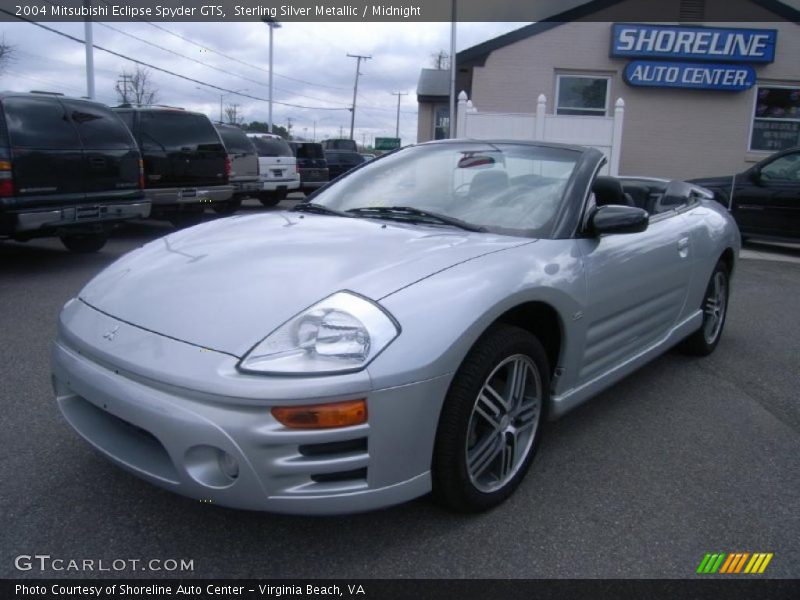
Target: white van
277, 168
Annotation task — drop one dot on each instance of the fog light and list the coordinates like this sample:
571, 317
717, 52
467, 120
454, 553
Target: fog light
228, 465
322, 416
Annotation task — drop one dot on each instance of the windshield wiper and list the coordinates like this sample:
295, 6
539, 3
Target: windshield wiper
318, 209
409, 213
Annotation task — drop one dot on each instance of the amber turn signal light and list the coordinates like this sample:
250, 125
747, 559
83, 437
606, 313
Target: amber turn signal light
322, 416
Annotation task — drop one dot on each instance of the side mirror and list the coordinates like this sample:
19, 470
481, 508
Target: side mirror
754, 174
614, 218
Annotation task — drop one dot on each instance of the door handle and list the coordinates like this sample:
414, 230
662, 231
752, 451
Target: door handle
683, 247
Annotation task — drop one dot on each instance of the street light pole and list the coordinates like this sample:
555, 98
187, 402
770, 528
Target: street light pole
359, 58
272, 24
450, 129
89, 43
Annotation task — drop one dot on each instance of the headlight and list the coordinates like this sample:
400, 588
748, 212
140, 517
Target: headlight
343, 332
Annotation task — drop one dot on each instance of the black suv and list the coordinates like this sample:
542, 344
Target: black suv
311, 164
341, 161
186, 165
340, 144
68, 167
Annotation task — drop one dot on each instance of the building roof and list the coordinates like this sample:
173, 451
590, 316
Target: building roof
433, 83
477, 55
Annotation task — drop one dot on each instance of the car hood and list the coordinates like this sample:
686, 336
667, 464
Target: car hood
226, 284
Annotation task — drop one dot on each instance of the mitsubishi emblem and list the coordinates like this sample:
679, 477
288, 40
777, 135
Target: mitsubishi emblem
111, 334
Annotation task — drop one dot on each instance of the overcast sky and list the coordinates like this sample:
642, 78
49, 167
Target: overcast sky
312, 52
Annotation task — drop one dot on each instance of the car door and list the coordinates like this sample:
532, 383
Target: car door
767, 199
110, 154
636, 290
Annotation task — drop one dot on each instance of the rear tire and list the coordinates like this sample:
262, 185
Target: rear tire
84, 243
715, 308
186, 217
490, 421
228, 207
269, 199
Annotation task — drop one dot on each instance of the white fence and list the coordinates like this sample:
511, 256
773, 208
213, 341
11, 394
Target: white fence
603, 133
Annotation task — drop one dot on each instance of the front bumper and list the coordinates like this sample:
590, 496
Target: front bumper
120, 396
79, 215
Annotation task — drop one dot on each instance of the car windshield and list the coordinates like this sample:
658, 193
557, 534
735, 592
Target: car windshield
514, 189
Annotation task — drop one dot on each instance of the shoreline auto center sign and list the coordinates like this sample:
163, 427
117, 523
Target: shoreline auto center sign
670, 50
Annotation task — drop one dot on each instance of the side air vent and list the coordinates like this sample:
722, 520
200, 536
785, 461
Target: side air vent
345, 447
355, 474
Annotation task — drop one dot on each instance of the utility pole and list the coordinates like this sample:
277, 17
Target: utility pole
359, 58
341, 132
89, 43
397, 128
123, 81
289, 127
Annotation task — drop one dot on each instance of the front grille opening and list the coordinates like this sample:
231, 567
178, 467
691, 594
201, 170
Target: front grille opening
355, 474
123, 441
345, 447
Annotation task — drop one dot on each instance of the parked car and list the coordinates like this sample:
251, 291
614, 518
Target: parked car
277, 167
311, 164
341, 161
186, 165
244, 176
340, 144
68, 168
431, 310
765, 199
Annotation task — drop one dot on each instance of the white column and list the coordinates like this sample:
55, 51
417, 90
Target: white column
541, 108
461, 115
616, 139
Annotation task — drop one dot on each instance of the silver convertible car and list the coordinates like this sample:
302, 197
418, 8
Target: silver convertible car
405, 330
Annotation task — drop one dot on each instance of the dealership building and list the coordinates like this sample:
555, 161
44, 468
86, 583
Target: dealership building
702, 95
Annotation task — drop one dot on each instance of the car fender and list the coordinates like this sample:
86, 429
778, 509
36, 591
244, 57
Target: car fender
442, 316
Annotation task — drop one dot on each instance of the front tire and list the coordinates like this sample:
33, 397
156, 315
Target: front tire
84, 243
715, 308
491, 420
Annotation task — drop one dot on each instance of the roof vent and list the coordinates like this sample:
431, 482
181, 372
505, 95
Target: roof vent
692, 10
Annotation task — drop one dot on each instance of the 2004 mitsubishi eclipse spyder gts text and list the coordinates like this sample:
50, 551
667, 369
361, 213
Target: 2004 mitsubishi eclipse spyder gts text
405, 330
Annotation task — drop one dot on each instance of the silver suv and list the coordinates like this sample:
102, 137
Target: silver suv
244, 168
277, 167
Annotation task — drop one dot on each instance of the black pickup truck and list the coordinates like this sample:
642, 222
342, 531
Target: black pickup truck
68, 167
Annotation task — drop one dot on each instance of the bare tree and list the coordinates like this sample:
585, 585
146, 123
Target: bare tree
6, 53
232, 114
137, 87
440, 60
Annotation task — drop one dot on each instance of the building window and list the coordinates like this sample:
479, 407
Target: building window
776, 120
441, 123
582, 95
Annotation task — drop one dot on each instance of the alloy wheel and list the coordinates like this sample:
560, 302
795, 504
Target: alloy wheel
503, 423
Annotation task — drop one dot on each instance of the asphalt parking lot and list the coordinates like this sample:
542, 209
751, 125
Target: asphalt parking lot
685, 457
